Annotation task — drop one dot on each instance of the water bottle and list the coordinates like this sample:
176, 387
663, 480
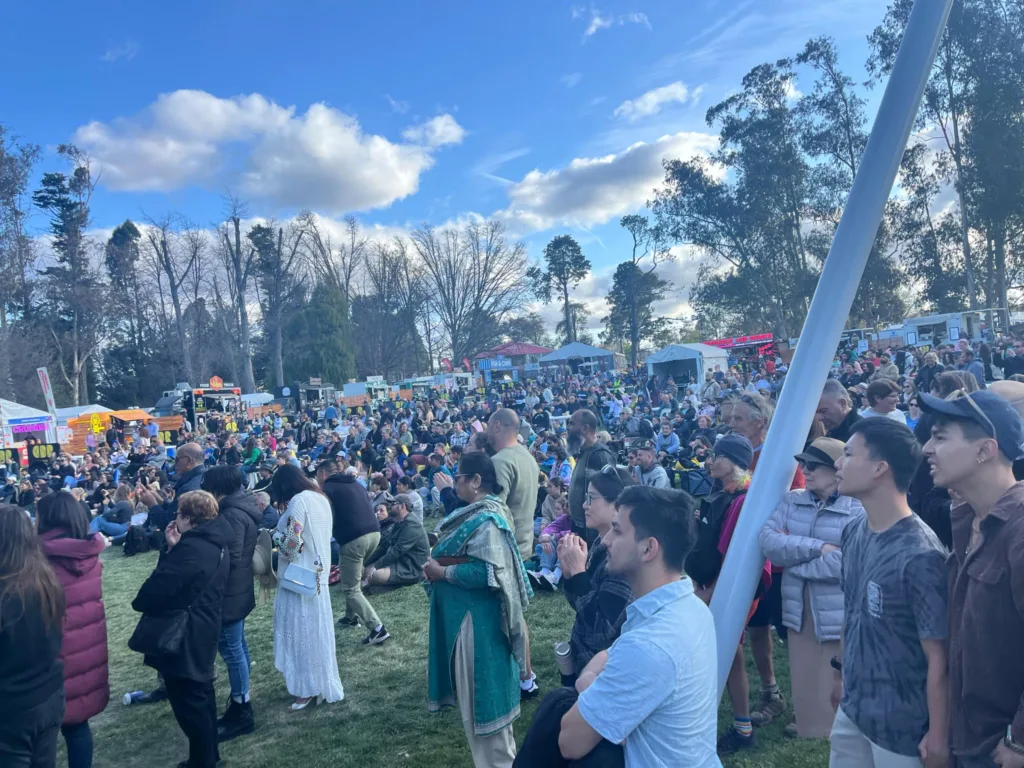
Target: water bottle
133, 698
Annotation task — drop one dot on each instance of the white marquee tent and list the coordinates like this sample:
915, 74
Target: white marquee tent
684, 360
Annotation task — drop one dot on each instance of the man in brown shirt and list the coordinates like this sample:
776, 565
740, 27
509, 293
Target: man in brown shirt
973, 445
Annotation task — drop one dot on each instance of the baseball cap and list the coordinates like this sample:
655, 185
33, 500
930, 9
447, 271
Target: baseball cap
736, 448
824, 450
404, 498
994, 414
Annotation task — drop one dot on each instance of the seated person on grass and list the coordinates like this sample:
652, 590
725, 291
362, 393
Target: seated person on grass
403, 549
651, 699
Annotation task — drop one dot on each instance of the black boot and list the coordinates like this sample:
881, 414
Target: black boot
237, 721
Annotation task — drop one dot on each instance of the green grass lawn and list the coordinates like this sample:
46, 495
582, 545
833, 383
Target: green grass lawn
383, 720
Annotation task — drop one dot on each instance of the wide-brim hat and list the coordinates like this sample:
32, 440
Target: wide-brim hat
263, 564
823, 450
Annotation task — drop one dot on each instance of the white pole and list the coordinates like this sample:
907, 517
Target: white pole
825, 320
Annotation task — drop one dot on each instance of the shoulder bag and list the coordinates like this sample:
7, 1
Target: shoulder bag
301, 580
162, 634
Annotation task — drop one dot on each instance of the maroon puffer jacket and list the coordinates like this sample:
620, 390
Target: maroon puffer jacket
84, 650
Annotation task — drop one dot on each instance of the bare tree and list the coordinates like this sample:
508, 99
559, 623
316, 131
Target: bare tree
336, 264
175, 257
384, 316
279, 280
239, 259
475, 279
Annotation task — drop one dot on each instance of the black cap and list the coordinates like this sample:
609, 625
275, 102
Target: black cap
994, 414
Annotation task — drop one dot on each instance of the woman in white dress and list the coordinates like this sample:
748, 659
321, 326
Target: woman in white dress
304, 649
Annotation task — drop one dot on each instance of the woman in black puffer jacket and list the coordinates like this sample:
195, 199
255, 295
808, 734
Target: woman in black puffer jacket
243, 512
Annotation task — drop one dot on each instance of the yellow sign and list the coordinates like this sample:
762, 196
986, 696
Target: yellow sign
216, 382
8, 455
96, 423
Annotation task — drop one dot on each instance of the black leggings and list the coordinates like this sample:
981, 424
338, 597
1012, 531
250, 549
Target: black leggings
540, 747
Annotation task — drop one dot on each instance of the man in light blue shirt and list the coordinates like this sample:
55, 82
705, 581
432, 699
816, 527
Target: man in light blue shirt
651, 700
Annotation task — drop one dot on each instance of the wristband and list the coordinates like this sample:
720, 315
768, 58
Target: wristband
836, 664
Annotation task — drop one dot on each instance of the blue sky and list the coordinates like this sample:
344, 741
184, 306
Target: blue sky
553, 115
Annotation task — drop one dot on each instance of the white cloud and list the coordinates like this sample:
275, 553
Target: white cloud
401, 107
598, 20
593, 190
572, 80
126, 51
652, 101
320, 159
436, 132
792, 92
695, 95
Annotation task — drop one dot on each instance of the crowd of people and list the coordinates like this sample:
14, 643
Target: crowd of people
893, 567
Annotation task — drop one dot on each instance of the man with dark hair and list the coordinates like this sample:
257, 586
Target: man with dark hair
403, 550
357, 531
591, 456
651, 699
974, 441
245, 515
891, 678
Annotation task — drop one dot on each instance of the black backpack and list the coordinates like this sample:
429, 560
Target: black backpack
646, 429
135, 541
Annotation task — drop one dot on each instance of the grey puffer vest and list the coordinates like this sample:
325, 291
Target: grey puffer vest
792, 538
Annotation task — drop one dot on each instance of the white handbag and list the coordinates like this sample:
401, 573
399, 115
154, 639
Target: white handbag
301, 580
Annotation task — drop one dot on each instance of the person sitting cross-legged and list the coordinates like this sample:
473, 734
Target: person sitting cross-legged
651, 699
403, 550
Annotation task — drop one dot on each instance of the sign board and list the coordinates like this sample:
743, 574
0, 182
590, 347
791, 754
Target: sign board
10, 456
862, 345
96, 423
216, 382
374, 379
64, 435
911, 338
315, 381
954, 333
42, 451
497, 364
286, 391
741, 341
44, 382
168, 436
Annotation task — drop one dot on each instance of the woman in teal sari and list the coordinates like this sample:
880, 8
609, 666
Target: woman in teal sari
478, 591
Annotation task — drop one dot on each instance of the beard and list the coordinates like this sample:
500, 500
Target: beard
574, 442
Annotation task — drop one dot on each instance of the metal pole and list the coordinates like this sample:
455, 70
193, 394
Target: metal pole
825, 320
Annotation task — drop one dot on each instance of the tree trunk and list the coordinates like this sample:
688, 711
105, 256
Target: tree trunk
990, 280
248, 379
972, 300
570, 329
1000, 254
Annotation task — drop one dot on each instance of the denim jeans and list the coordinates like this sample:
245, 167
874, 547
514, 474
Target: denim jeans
235, 651
101, 525
546, 560
78, 739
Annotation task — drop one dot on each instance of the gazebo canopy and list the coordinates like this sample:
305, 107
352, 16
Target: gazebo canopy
63, 414
16, 413
575, 350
